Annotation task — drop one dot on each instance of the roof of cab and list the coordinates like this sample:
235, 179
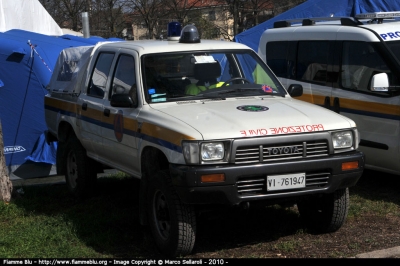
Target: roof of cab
158, 46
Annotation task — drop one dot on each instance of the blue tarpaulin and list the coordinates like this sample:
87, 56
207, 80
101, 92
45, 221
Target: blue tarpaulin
318, 8
27, 60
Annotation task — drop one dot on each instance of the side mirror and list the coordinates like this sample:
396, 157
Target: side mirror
295, 90
122, 100
380, 82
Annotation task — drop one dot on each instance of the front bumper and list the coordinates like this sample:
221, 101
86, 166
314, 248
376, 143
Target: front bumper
323, 175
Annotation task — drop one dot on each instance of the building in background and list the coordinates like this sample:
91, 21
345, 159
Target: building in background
213, 18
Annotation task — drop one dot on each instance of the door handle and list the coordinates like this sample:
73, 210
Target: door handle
106, 112
327, 102
84, 106
336, 105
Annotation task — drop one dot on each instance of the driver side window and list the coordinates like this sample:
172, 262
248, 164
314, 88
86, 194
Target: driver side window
97, 85
124, 80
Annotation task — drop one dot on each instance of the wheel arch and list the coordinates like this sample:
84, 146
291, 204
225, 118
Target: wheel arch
152, 160
63, 133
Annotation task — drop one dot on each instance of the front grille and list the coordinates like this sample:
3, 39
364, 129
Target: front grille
252, 186
268, 153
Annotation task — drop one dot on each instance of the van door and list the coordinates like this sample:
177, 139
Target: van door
376, 113
308, 63
120, 123
312, 64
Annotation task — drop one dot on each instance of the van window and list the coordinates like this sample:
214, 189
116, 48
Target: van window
395, 48
319, 62
277, 58
312, 62
360, 61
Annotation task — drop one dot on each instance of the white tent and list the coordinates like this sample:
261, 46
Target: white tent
71, 32
28, 15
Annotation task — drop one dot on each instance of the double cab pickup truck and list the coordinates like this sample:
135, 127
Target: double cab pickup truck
201, 123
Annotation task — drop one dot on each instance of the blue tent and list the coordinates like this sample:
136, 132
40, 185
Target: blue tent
26, 63
318, 8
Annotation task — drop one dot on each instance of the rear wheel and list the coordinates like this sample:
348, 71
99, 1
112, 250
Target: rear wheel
172, 223
80, 172
326, 214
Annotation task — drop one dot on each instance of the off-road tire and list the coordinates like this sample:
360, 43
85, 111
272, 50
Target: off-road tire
80, 172
325, 214
172, 223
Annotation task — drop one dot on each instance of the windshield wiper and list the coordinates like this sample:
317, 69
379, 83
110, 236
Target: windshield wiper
194, 97
240, 91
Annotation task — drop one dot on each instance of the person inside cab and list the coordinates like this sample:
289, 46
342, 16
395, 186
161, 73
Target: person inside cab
207, 75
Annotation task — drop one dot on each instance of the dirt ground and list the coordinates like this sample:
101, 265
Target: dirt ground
279, 233
260, 239
263, 232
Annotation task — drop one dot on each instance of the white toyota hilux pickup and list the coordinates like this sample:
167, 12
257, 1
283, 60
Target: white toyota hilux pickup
200, 123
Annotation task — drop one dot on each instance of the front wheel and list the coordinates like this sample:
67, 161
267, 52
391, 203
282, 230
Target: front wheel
172, 223
326, 214
80, 174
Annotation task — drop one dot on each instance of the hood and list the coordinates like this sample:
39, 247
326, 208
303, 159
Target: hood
238, 118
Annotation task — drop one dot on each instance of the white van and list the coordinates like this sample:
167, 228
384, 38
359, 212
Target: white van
351, 66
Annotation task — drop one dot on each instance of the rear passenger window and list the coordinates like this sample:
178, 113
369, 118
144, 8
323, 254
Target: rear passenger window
312, 62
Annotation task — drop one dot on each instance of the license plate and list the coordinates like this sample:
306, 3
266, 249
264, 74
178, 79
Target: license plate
289, 181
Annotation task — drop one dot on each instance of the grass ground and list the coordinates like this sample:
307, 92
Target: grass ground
46, 222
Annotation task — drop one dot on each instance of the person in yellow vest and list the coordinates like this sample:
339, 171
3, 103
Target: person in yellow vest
261, 77
193, 89
207, 75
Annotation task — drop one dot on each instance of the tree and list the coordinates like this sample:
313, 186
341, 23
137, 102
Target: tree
150, 13
107, 17
5, 183
67, 13
179, 9
281, 6
72, 11
246, 13
211, 22
254, 9
234, 7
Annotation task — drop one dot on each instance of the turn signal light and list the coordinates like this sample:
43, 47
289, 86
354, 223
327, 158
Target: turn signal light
349, 166
212, 178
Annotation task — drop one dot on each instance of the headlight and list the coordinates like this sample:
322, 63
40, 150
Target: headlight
342, 139
196, 152
212, 151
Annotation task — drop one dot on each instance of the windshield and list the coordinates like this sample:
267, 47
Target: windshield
199, 75
395, 48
